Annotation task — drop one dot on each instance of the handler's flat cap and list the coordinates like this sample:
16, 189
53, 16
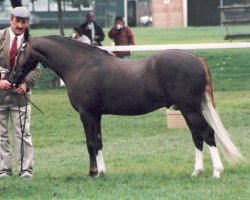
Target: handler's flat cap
21, 12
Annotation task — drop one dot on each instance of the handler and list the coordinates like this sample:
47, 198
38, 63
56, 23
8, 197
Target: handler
13, 103
92, 30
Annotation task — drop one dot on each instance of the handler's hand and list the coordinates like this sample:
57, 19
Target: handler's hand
22, 89
5, 85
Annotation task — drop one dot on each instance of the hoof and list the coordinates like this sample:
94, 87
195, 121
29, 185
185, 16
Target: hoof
217, 173
101, 174
93, 174
96, 174
197, 172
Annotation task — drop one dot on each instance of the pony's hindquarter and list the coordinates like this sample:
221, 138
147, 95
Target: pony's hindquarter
230, 151
203, 131
209, 86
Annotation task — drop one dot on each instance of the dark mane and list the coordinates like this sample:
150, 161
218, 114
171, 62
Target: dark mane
75, 43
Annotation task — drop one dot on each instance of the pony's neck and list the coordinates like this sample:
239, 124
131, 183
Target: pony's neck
53, 55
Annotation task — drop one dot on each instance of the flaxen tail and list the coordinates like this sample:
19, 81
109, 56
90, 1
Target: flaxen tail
230, 151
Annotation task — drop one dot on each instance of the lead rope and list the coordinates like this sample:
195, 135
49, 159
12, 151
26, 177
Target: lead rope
28, 100
22, 125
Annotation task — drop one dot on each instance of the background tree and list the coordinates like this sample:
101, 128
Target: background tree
16, 3
60, 17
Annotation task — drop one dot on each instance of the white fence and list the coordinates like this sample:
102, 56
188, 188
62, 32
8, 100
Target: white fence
203, 46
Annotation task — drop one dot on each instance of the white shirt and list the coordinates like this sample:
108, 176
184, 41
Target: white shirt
84, 39
12, 37
91, 26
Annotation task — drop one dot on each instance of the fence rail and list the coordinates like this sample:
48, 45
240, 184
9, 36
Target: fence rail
174, 46
203, 46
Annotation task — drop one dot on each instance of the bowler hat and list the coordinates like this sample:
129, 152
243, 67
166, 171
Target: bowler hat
20, 12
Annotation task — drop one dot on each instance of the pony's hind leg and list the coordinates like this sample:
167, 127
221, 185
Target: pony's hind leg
198, 168
217, 164
202, 131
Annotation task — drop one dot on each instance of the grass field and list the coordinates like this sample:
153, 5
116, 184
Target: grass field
144, 159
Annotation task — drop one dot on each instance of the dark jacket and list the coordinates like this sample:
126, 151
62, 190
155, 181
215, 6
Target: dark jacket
98, 32
29, 79
123, 36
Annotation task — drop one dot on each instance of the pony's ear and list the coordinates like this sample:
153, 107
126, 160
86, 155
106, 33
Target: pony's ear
26, 34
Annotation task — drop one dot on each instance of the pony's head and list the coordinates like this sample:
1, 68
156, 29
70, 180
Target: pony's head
24, 63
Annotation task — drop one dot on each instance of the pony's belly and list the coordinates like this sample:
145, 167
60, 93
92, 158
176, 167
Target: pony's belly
126, 110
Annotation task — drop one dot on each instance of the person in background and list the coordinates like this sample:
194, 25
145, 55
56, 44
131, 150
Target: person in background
13, 104
77, 35
92, 30
122, 35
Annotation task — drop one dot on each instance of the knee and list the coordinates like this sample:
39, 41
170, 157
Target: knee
91, 145
99, 145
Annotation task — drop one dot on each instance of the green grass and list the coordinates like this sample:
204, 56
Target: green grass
144, 159
148, 35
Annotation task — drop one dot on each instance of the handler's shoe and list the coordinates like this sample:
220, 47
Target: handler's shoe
26, 175
4, 175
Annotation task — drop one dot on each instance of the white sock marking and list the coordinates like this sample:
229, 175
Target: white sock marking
232, 154
217, 164
198, 168
100, 163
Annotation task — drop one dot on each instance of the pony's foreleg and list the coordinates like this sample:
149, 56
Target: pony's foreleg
198, 168
92, 127
99, 157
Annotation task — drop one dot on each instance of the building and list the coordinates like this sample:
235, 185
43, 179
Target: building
131, 10
183, 13
164, 13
